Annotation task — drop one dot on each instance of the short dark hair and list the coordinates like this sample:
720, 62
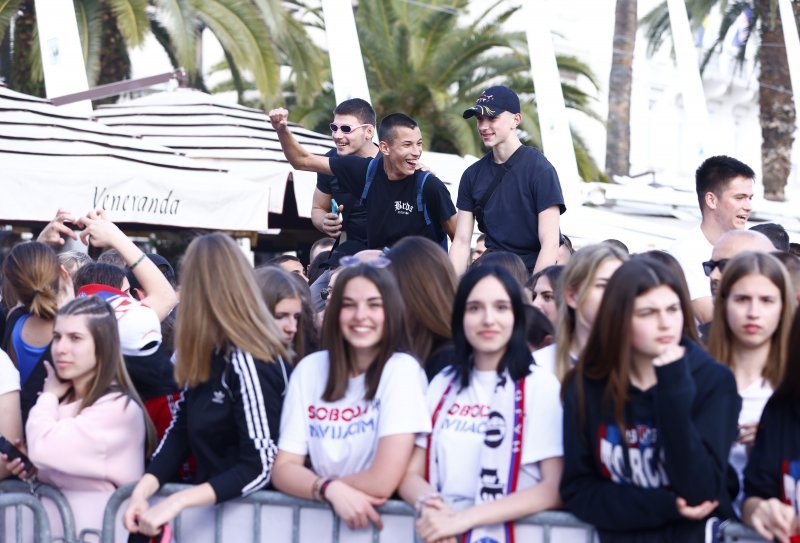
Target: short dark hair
358, 108
715, 172
99, 273
517, 358
480, 238
393, 121
776, 233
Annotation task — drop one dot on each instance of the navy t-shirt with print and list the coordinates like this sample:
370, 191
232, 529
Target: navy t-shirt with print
392, 212
511, 215
354, 216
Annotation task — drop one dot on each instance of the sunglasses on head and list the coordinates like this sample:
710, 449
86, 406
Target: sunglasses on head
710, 265
345, 128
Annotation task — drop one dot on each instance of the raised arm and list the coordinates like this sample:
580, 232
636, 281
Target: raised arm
462, 239
549, 236
297, 155
101, 232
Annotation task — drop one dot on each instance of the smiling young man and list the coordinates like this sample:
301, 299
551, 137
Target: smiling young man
724, 188
522, 213
393, 210
352, 130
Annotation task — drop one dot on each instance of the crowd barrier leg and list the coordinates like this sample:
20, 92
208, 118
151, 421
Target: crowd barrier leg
41, 524
53, 495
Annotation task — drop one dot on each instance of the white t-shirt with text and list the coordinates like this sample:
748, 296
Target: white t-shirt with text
341, 437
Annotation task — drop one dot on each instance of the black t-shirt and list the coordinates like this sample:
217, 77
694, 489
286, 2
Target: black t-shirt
354, 216
392, 212
511, 215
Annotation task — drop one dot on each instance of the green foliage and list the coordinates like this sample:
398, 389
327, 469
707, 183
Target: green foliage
431, 64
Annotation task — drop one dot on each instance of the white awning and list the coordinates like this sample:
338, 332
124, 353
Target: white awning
51, 159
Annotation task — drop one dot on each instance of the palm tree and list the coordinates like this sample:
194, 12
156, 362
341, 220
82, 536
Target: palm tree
258, 37
618, 140
776, 107
431, 65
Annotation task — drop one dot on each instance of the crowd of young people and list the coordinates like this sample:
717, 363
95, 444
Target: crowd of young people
536, 380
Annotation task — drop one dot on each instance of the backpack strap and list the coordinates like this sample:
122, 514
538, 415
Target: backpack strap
419, 178
371, 169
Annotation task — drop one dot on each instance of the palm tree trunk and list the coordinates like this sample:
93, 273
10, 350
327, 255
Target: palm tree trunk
618, 142
115, 64
23, 77
777, 113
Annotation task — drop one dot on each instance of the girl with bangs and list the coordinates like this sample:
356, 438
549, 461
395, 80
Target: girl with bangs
230, 361
88, 431
494, 454
749, 334
649, 416
353, 410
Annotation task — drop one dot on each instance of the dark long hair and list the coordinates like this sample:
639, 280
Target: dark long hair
788, 391
517, 358
607, 355
427, 283
394, 339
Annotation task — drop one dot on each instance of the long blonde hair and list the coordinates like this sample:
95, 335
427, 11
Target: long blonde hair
31, 269
577, 277
221, 306
720, 339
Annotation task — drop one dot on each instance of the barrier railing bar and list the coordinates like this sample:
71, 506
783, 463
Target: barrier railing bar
41, 523
730, 532
218, 523
257, 523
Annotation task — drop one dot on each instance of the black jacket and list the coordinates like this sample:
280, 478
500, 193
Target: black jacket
229, 423
676, 443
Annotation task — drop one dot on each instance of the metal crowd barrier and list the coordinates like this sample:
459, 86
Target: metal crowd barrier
39, 491
17, 495
41, 525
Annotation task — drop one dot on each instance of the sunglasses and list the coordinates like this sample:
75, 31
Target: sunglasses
345, 128
350, 261
709, 266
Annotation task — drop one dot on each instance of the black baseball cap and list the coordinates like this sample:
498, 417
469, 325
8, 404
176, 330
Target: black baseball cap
493, 101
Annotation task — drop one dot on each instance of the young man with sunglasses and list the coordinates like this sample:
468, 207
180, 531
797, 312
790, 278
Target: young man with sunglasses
724, 188
352, 130
513, 191
398, 202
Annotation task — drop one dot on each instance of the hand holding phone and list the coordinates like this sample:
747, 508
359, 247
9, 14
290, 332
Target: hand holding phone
12, 453
334, 207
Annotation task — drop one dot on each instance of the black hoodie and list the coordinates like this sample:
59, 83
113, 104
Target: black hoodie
676, 443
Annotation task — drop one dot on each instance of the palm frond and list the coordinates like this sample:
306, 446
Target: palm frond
89, 15
131, 19
8, 8
240, 31
181, 27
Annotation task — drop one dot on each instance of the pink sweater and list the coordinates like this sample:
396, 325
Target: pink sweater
87, 455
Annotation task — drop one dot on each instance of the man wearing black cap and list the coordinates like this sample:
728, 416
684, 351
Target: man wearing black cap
513, 191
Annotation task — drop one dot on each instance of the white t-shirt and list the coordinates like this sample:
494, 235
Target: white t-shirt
341, 437
754, 399
545, 358
691, 251
463, 427
9, 376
